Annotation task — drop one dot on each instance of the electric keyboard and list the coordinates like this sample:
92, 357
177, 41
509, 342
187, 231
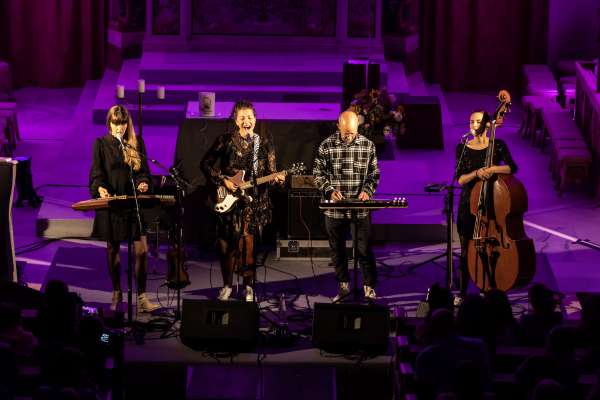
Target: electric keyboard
355, 204
144, 200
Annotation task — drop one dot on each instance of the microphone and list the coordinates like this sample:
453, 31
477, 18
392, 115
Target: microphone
119, 137
466, 135
122, 144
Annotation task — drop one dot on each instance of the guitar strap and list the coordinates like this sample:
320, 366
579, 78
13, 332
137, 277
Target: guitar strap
255, 155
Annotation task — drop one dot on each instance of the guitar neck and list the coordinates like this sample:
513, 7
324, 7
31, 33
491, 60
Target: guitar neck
261, 180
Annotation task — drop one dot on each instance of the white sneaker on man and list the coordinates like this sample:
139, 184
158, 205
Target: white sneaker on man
343, 292
249, 293
224, 293
370, 294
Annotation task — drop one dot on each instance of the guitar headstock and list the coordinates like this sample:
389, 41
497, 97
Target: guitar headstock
296, 169
504, 103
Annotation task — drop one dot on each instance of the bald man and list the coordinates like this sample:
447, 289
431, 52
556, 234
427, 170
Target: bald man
346, 168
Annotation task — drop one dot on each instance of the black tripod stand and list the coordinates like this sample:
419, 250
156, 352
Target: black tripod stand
178, 278
355, 290
448, 253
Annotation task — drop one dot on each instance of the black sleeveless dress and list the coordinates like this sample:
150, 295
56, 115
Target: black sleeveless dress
472, 160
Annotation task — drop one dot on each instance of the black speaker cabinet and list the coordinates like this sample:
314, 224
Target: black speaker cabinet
305, 219
359, 75
8, 174
351, 328
221, 326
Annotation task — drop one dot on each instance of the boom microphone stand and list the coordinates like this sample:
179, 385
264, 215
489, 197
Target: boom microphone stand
182, 187
449, 253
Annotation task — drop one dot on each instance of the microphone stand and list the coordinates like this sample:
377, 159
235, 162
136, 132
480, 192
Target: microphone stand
449, 254
123, 145
182, 187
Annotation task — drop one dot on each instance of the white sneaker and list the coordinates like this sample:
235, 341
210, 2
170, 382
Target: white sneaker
249, 294
370, 293
224, 293
144, 305
457, 301
343, 292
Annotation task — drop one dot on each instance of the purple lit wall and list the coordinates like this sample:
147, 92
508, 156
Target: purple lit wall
572, 30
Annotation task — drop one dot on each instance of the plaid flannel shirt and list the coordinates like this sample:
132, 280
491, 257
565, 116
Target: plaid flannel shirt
349, 168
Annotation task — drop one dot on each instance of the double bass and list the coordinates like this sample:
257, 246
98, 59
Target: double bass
500, 255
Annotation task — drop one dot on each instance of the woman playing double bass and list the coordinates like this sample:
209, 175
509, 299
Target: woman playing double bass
471, 169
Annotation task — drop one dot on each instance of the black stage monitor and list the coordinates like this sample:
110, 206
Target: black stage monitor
219, 326
351, 328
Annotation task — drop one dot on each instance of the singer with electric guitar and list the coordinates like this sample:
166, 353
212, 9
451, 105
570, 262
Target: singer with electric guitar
236, 155
117, 156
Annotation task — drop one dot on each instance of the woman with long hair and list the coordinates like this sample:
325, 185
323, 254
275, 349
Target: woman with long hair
240, 149
118, 157
470, 170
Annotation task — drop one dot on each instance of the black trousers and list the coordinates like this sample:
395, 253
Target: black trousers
338, 231
463, 269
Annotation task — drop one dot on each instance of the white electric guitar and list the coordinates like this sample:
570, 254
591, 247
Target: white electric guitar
223, 199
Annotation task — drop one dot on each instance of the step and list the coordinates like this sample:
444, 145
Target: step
245, 68
56, 218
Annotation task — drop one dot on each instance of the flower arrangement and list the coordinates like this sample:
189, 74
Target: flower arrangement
378, 113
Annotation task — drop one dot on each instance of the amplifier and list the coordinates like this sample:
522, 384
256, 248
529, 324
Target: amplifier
305, 220
306, 182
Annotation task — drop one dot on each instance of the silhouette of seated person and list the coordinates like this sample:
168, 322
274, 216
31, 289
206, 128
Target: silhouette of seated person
8, 371
21, 341
93, 351
437, 365
58, 316
503, 328
437, 298
467, 386
68, 379
589, 332
548, 389
536, 324
487, 318
559, 363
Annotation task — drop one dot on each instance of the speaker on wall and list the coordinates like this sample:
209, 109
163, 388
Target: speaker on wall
351, 328
357, 76
227, 326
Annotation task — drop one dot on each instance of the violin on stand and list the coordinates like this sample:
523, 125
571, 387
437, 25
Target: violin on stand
500, 255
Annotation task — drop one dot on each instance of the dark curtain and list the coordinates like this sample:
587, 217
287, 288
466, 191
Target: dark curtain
480, 45
53, 43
